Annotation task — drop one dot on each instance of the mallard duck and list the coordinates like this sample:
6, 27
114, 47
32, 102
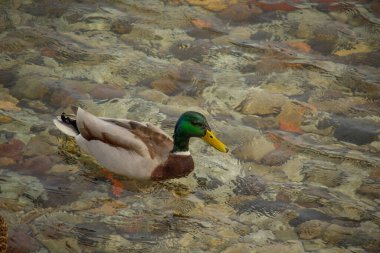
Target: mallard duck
139, 150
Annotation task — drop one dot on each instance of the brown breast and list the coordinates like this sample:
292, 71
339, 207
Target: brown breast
175, 166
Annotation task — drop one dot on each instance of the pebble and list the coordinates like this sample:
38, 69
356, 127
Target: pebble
240, 247
121, 27
311, 229
12, 149
166, 86
4, 119
254, 150
276, 158
335, 234
370, 189
261, 103
31, 87
107, 92
239, 12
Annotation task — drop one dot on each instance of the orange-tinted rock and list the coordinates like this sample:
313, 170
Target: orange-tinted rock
375, 174
299, 46
165, 85
280, 6
212, 5
9, 106
107, 92
4, 119
6, 161
291, 117
12, 149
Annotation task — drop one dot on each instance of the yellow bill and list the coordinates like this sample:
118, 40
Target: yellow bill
213, 141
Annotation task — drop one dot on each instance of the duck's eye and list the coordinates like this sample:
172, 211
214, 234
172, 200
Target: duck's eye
195, 123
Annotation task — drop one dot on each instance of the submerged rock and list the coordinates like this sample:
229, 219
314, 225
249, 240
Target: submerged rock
250, 185
261, 103
311, 229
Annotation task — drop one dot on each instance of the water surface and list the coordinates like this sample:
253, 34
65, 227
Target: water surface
292, 87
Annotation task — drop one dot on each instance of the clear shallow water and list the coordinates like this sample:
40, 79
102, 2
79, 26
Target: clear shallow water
292, 88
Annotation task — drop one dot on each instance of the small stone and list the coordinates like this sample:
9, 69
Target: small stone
63, 168
61, 97
37, 165
4, 119
121, 27
370, 189
6, 161
261, 103
311, 229
31, 87
291, 117
35, 105
276, 158
212, 5
9, 106
37, 128
166, 86
254, 150
21, 242
39, 145
375, 174
249, 185
190, 50
291, 246
239, 12
335, 234
240, 247
12, 149
154, 95
107, 92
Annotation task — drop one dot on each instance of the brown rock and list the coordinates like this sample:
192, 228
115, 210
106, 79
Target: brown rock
375, 174
311, 229
31, 87
37, 165
254, 150
9, 106
335, 234
61, 98
121, 27
291, 117
39, 145
261, 103
166, 86
370, 189
21, 242
4, 119
212, 5
6, 161
107, 92
239, 12
12, 149
276, 158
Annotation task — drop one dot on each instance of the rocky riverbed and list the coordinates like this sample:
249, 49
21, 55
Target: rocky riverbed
292, 87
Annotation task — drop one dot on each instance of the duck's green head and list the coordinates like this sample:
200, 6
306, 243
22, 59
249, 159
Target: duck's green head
194, 124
